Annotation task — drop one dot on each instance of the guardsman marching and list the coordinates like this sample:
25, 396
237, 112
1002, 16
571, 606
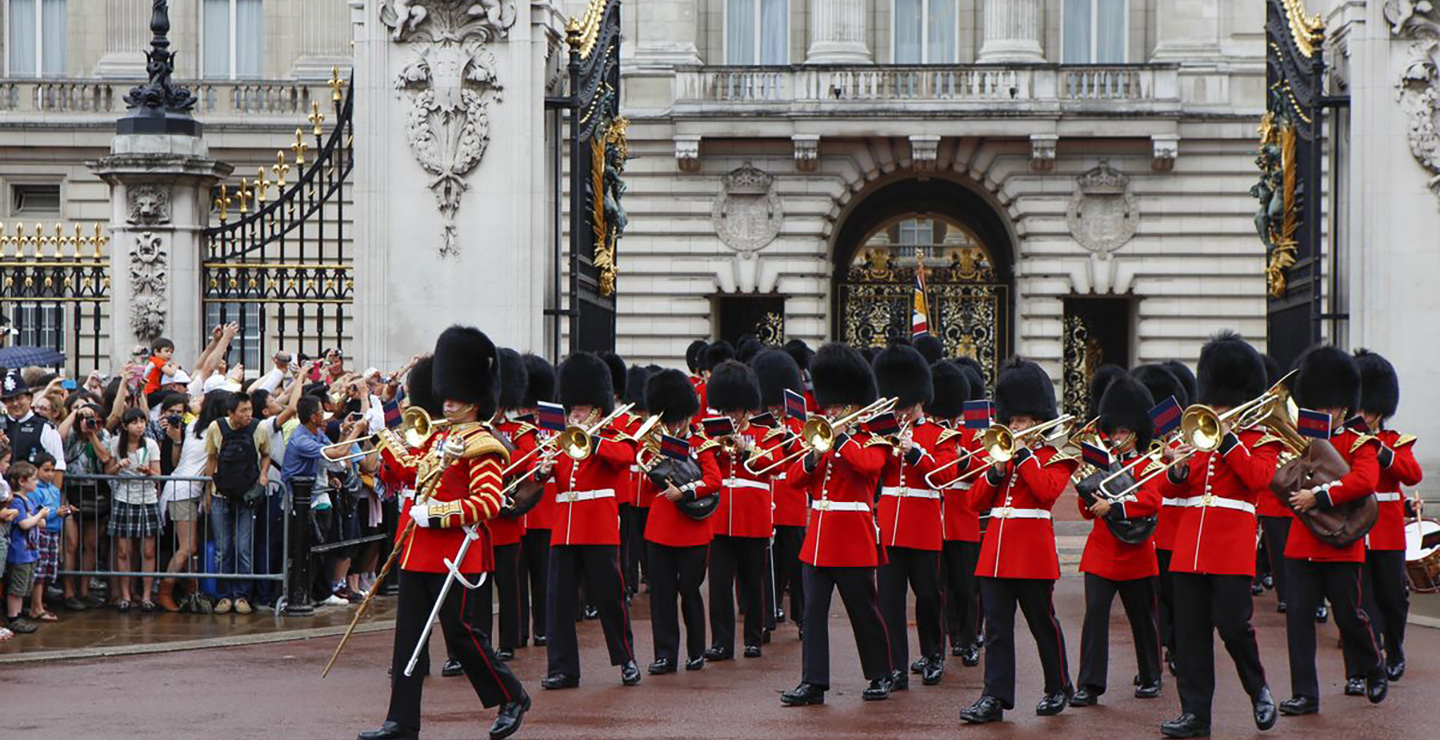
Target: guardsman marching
777, 372
535, 545
507, 530
626, 487
964, 616
960, 550
464, 469
912, 526
1214, 557
1329, 382
1018, 562
1162, 384
639, 571
1112, 566
841, 548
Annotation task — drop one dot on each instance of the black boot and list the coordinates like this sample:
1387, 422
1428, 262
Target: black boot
1084, 697
899, 680
919, 665
752, 651
629, 673
970, 656
715, 654
1186, 725
1300, 705
504, 655
1146, 690
695, 664
1322, 613
1395, 671
1376, 686
878, 690
389, 731
540, 641
804, 695
662, 666
1265, 710
985, 709
452, 668
511, 714
1355, 686
934, 670
1054, 704
560, 681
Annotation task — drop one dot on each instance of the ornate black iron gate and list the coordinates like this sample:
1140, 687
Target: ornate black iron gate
55, 290
283, 270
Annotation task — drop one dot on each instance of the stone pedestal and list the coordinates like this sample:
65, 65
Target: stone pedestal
837, 32
160, 206
1012, 32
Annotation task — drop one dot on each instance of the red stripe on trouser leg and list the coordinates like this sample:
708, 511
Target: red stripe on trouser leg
470, 631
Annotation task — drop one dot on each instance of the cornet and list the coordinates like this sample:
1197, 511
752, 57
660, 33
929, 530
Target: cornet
416, 428
1001, 444
578, 442
818, 433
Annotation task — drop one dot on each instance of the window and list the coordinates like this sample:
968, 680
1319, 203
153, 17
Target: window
916, 234
245, 347
757, 32
35, 199
36, 39
39, 325
1094, 32
926, 31
231, 43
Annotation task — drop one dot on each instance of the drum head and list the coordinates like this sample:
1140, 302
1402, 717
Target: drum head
1422, 538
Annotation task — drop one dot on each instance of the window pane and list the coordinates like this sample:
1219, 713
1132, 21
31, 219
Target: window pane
217, 39
944, 47
22, 38
775, 30
1077, 32
1110, 31
54, 30
249, 35
740, 32
908, 20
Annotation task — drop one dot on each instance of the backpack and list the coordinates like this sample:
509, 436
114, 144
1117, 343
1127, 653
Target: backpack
237, 467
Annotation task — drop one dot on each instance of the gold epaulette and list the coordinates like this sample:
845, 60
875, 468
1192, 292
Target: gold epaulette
524, 429
773, 433
479, 441
706, 445
1405, 439
1270, 439
876, 439
1361, 439
947, 435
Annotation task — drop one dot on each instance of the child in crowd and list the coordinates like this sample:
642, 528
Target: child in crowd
7, 517
162, 351
23, 479
47, 568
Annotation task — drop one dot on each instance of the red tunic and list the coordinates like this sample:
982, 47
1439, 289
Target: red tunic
1020, 541
508, 530
587, 512
669, 526
1359, 451
629, 424
792, 506
910, 511
704, 409
745, 506
468, 493
1389, 530
1216, 534
842, 531
1112, 559
962, 524
1167, 520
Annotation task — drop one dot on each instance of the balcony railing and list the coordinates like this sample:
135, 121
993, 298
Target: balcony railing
217, 98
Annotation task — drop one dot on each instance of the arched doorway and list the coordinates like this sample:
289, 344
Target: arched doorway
964, 249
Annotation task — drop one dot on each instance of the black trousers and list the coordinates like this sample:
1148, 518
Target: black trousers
919, 570
492, 680
1138, 598
642, 560
675, 575
962, 597
597, 567
507, 591
1034, 596
785, 553
1276, 531
1386, 600
1204, 605
1165, 587
1340, 583
534, 572
857, 590
730, 557
478, 613
629, 554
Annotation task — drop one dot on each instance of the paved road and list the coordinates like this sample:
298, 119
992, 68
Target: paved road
275, 691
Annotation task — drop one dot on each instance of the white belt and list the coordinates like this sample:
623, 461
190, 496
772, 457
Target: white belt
781, 476
1004, 512
826, 504
1383, 497
1174, 501
744, 483
634, 468
1215, 502
571, 497
909, 492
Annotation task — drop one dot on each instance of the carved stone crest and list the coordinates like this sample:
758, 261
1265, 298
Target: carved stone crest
747, 214
1418, 87
1103, 215
149, 205
450, 81
149, 281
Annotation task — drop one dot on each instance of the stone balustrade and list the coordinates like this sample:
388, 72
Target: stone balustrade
218, 99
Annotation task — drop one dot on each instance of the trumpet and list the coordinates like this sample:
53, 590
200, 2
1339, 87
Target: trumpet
578, 442
1001, 444
649, 436
1202, 425
416, 428
818, 433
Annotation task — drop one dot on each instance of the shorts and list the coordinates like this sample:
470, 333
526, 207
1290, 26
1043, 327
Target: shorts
187, 510
133, 520
20, 578
47, 568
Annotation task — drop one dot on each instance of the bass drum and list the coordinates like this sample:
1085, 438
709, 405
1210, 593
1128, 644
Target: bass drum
1422, 556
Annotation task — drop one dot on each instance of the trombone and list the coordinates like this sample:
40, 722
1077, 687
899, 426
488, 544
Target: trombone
575, 441
818, 433
416, 428
1001, 444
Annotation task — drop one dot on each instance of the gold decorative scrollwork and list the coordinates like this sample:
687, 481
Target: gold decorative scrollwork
608, 154
1076, 367
1278, 218
581, 33
770, 329
1307, 30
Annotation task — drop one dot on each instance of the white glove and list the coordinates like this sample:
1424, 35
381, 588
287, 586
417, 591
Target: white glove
421, 514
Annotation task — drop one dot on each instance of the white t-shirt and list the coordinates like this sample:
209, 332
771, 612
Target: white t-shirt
140, 491
191, 465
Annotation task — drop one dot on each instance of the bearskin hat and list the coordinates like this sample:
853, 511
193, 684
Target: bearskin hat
618, 372
1231, 371
748, 349
1379, 384
976, 376
671, 395
585, 381
694, 354
1272, 370
952, 390
1126, 404
1329, 378
842, 377
1182, 374
1161, 383
420, 389
513, 379
1099, 382
732, 387
541, 381
635, 379
1024, 389
800, 352
717, 353
902, 372
930, 347
467, 369
777, 373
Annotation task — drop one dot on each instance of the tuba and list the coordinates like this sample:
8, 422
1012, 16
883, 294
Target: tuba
1315, 463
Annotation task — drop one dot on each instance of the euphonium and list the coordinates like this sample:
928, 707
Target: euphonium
576, 441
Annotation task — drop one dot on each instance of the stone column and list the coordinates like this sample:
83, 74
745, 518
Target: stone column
664, 34
325, 35
1187, 30
127, 33
1012, 32
837, 33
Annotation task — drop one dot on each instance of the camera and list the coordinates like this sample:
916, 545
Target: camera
176, 420
89, 423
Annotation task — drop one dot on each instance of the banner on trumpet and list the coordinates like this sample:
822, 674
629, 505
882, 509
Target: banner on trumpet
1166, 416
552, 417
794, 405
1095, 456
1314, 424
674, 447
979, 414
718, 426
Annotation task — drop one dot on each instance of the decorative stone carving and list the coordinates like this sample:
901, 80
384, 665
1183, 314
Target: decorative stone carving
450, 81
149, 281
748, 214
149, 205
923, 151
1164, 149
1042, 152
1103, 215
1418, 88
807, 152
687, 153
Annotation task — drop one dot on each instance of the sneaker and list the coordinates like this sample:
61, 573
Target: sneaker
223, 606
22, 626
242, 606
334, 600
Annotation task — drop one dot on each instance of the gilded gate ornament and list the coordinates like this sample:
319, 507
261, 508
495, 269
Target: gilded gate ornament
1281, 198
